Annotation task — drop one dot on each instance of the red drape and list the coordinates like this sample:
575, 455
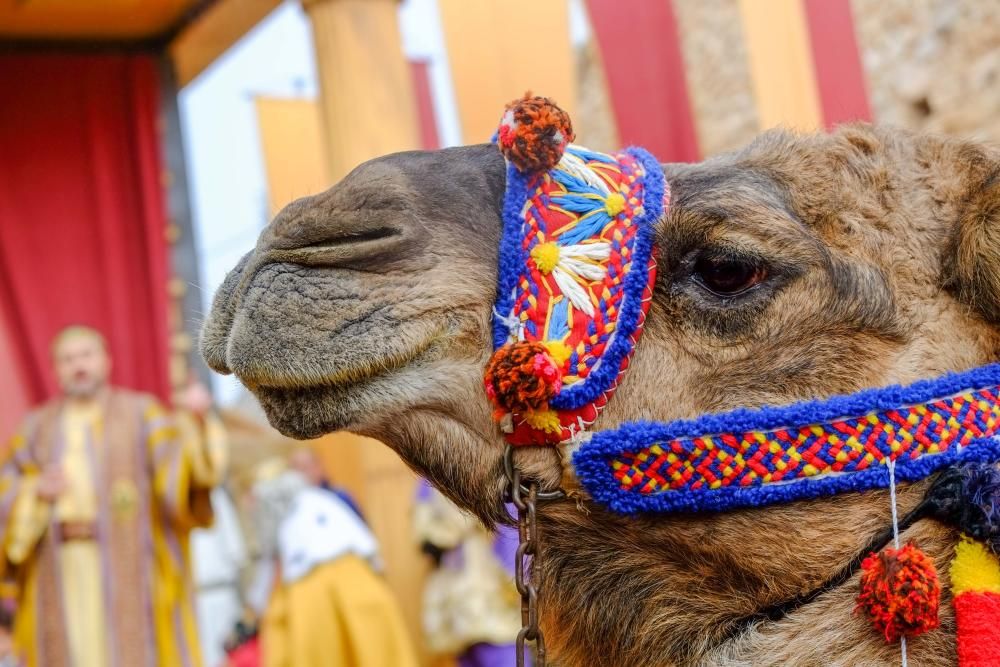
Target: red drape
644, 68
82, 221
840, 76
14, 401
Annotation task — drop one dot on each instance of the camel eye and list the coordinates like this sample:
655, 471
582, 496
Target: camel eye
727, 276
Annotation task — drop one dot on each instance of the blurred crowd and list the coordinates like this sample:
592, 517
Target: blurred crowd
117, 518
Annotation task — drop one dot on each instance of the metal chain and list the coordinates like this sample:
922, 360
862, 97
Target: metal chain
527, 567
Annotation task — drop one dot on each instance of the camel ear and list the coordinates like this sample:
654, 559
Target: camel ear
972, 262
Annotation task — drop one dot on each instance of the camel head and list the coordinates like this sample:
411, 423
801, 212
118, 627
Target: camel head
800, 266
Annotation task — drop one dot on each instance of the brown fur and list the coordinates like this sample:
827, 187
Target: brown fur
367, 308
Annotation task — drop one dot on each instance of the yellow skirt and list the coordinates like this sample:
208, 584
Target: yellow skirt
339, 615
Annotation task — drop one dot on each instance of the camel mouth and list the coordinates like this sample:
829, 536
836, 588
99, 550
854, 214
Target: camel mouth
355, 395
326, 350
342, 370
310, 411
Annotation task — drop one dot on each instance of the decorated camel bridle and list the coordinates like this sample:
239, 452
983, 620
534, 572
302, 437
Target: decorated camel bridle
576, 273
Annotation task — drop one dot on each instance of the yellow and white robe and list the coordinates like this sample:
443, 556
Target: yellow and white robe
143, 477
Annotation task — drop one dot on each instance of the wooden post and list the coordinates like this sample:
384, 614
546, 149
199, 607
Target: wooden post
366, 90
185, 303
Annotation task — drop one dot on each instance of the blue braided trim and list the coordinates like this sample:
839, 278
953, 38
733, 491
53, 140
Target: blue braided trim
513, 257
593, 469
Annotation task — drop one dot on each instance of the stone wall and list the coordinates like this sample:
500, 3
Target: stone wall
932, 65
718, 76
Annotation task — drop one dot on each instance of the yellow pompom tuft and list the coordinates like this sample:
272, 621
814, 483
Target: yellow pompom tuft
543, 420
559, 351
974, 568
546, 256
614, 204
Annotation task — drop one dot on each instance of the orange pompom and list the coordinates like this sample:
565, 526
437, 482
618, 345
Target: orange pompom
533, 133
900, 592
522, 376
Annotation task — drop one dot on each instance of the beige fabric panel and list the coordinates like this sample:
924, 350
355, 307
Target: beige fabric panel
781, 65
498, 50
292, 144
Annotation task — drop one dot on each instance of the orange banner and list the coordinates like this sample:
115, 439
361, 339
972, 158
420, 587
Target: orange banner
498, 49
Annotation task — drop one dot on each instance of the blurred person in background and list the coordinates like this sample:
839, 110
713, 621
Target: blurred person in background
305, 461
219, 556
328, 607
243, 645
99, 492
471, 608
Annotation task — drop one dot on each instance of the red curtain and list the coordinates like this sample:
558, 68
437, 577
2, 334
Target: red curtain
14, 401
840, 76
82, 220
644, 69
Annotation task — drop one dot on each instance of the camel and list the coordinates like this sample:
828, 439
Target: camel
875, 259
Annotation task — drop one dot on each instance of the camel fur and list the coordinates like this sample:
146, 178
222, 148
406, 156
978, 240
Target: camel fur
368, 308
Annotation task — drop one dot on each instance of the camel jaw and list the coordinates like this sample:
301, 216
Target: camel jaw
310, 412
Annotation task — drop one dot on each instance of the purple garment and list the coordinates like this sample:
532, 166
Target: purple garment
488, 655
505, 543
505, 549
504, 539
424, 489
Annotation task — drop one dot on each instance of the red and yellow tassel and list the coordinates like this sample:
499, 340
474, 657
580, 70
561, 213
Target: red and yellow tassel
523, 377
900, 592
534, 133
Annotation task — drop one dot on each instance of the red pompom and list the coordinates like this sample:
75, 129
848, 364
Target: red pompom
533, 133
522, 376
900, 592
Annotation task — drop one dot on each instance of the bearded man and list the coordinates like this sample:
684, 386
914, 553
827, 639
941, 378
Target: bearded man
99, 492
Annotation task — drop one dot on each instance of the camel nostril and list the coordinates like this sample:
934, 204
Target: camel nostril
352, 247
356, 237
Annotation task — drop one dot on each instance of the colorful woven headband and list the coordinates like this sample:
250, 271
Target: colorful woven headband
576, 274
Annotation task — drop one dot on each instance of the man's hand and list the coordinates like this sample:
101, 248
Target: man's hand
196, 399
52, 483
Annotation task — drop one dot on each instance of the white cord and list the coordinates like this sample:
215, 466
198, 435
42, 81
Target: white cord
895, 532
892, 499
